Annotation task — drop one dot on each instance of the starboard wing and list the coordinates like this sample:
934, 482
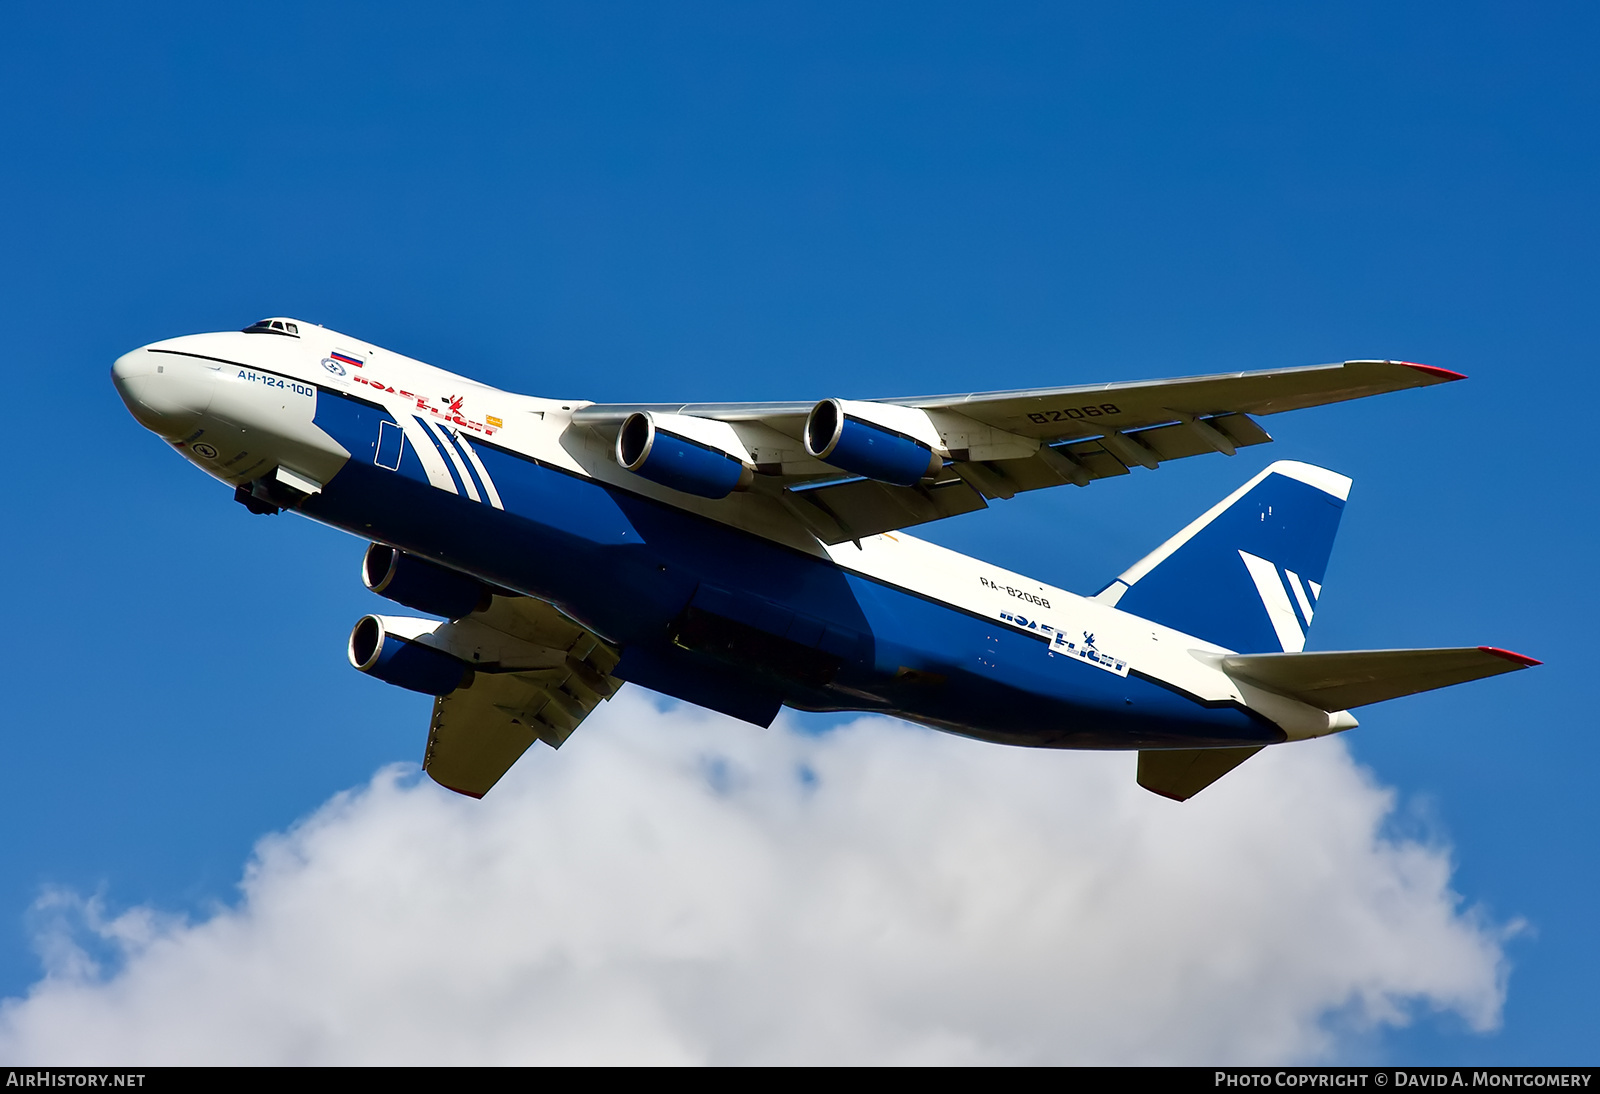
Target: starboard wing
1002, 443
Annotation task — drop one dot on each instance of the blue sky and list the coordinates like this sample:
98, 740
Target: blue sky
754, 201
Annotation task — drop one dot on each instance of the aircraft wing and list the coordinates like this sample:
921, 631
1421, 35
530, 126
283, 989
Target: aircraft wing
563, 672
1001, 443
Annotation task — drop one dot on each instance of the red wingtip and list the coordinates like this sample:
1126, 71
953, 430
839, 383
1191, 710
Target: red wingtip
1444, 374
1525, 662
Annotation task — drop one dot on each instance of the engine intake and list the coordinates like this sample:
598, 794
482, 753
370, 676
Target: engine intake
873, 440
379, 652
696, 455
417, 583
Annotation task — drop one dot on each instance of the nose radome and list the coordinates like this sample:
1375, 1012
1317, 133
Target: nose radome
166, 393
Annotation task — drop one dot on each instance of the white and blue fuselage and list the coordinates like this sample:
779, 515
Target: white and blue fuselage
729, 603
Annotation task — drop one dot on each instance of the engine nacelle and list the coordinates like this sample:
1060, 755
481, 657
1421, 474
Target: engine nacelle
378, 651
893, 444
417, 583
696, 455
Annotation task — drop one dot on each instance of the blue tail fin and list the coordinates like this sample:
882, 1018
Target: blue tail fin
1246, 575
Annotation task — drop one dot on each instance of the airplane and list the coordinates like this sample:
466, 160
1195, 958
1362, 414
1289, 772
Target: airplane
750, 556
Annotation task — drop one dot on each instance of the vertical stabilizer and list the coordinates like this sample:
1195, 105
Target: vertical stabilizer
1247, 574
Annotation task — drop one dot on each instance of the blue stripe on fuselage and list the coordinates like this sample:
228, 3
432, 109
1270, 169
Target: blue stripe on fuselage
627, 567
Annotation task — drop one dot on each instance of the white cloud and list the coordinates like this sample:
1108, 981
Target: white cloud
676, 887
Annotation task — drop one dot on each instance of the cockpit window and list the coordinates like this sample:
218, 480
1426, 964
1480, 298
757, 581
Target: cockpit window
285, 327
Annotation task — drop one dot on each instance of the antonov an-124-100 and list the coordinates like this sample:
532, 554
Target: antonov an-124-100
748, 556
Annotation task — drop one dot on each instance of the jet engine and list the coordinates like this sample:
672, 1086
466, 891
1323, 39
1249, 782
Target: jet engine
417, 583
893, 444
378, 651
696, 455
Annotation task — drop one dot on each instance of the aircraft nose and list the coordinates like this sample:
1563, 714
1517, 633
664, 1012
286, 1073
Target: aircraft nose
167, 393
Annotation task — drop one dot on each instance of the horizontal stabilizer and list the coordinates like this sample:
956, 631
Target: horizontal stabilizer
1181, 773
1353, 678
